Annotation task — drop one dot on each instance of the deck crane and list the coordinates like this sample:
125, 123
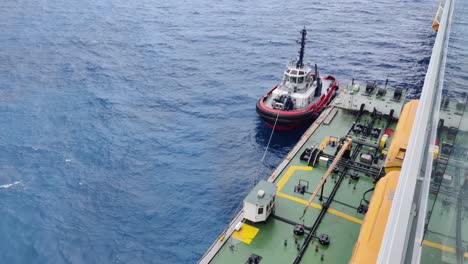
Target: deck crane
345, 146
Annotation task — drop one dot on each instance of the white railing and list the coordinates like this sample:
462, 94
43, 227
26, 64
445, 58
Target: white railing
402, 239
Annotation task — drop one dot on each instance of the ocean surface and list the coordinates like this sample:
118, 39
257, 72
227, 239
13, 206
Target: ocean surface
128, 128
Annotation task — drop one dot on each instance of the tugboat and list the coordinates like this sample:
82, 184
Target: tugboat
300, 97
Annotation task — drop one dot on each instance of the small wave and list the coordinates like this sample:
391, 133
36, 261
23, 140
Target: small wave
6, 186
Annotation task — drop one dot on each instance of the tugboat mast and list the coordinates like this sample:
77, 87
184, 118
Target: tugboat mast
300, 62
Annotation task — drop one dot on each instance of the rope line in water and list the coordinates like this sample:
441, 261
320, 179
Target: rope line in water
271, 136
257, 174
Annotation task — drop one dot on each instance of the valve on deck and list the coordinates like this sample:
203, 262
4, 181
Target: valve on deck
324, 239
354, 176
254, 259
362, 209
301, 187
299, 230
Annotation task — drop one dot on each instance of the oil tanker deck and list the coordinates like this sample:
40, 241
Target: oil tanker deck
375, 179
312, 207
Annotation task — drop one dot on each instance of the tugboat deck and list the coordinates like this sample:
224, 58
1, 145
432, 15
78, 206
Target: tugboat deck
325, 83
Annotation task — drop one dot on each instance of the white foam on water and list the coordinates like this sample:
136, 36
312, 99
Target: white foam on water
6, 186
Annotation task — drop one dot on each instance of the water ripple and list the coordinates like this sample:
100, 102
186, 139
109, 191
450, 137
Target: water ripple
129, 128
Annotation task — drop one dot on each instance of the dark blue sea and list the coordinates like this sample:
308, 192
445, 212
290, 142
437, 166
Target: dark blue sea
128, 128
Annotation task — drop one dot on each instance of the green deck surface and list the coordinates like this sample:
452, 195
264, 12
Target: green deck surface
275, 241
445, 239
269, 243
440, 241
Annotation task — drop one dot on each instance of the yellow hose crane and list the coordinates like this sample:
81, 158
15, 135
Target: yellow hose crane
346, 146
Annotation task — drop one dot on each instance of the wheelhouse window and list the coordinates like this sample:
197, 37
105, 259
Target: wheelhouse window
294, 72
300, 80
260, 210
293, 79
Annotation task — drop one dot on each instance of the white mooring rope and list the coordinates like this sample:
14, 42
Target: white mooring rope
271, 136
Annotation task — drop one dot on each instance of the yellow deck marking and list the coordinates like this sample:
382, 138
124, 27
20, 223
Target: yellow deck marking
442, 247
345, 216
324, 142
439, 246
318, 206
298, 200
285, 179
288, 174
246, 234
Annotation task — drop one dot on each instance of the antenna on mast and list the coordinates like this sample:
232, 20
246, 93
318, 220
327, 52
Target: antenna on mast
300, 62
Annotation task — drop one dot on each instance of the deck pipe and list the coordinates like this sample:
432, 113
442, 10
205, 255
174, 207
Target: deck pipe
324, 210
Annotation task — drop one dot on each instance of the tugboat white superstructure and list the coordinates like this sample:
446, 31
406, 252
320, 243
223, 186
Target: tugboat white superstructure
300, 97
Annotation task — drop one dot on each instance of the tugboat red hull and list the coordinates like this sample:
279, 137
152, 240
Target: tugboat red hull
287, 120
